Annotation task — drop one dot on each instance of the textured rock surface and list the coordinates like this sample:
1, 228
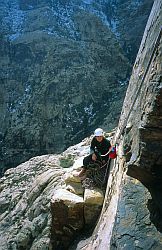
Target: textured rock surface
25, 195
67, 218
131, 216
93, 200
100, 239
27, 221
143, 140
50, 51
73, 211
133, 228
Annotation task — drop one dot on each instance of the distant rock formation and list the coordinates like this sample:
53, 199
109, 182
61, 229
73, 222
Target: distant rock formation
66, 66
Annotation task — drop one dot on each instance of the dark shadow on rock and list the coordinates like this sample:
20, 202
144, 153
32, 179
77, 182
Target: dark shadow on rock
155, 214
152, 180
82, 240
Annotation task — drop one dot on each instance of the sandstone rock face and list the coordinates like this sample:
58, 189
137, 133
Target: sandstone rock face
125, 221
131, 215
25, 194
142, 141
28, 221
50, 51
73, 184
73, 214
133, 228
100, 239
67, 214
93, 200
73, 209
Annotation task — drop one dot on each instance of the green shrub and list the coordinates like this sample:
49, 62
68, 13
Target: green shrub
66, 162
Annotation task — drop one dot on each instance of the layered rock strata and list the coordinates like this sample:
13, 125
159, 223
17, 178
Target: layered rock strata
27, 221
25, 194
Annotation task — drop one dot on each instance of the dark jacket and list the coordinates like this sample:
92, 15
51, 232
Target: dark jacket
100, 148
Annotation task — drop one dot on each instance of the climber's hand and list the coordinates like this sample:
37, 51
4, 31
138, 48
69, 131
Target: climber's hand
94, 157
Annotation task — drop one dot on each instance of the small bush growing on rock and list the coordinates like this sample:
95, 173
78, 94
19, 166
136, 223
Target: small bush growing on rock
67, 161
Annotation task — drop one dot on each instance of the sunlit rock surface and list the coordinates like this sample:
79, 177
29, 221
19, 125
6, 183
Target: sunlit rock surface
25, 195
24, 200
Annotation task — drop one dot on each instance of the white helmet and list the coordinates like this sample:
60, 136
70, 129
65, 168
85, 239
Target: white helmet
98, 132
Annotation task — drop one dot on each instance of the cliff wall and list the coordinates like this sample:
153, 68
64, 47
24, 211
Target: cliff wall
137, 218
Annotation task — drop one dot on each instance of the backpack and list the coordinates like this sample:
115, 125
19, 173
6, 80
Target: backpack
112, 153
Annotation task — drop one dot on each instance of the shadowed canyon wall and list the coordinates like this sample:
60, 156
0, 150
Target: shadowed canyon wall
66, 67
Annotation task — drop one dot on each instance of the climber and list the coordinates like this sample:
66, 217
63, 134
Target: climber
99, 146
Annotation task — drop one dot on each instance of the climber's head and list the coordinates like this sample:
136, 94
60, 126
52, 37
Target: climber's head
99, 134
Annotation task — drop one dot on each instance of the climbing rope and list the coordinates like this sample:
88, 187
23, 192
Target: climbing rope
95, 175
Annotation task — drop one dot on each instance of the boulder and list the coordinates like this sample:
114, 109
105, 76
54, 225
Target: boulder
94, 196
70, 177
73, 182
93, 200
75, 188
67, 217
